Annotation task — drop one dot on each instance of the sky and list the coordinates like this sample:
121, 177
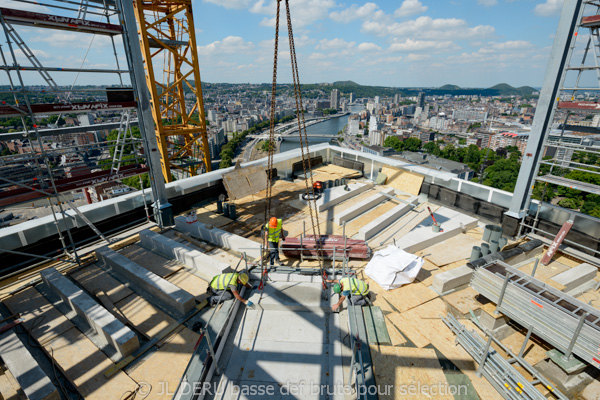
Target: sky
400, 43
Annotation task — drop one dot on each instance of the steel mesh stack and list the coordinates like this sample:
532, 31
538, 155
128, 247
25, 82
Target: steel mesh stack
496, 369
553, 316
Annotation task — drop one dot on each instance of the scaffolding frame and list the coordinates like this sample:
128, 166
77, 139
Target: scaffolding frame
567, 78
46, 182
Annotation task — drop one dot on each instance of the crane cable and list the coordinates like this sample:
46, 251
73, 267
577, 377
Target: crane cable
306, 165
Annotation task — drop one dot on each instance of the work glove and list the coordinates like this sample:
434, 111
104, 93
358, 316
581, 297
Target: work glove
250, 304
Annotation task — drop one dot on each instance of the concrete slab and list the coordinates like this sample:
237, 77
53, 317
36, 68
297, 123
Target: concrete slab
294, 296
219, 237
110, 330
447, 281
33, 380
362, 207
159, 289
285, 326
195, 262
575, 277
382, 222
338, 194
422, 236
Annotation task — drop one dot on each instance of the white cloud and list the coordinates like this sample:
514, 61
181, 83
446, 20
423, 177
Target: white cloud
410, 7
71, 40
354, 12
317, 56
417, 57
334, 44
548, 8
303, 12
229, 45
429, 28
368, 47
512, 45
487, 3
416, 45
235, 4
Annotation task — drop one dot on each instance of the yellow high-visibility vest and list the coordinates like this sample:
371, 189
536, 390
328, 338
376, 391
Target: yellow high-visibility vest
220, 282
355, 286
274, 233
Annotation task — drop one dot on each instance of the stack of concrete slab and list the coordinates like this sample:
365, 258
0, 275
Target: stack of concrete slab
111, 331
33, 380
159, 290
195, 262
362, 207
422, 236
336, 195
385, 220
454, 279
218, 237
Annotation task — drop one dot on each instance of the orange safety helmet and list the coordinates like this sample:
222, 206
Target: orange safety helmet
273, 222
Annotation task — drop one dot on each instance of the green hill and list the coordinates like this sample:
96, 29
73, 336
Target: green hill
345, 83
449, 87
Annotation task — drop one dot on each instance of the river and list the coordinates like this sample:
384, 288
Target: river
329, 127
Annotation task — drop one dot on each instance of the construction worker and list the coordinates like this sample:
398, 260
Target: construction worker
356, 290
226, 285
273, 232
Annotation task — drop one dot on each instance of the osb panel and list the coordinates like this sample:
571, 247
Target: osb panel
242, 182
406, 181
192, 284
544, 273
406, 297
457, 248
427, 272
397, 368
167, 365
7, 391
153, 262
533, 353
93, 279
211, 218
464, 300
41, 319
144, 316
417, 323
84, 365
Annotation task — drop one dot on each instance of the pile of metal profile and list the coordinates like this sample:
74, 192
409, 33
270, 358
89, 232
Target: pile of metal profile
498, 370
571, 326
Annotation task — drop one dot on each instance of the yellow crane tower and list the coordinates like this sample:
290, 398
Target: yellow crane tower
168, 42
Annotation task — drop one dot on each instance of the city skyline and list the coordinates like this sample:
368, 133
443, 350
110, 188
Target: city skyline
412, 43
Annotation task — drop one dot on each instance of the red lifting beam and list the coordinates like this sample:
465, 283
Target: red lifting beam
12, 111
579, 105
57, 22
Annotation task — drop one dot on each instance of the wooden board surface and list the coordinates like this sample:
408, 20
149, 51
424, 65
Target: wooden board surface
427, 272
42, 320
457, 248
544, 273
211, 218
397, 368
83, 364
153, 262
415, 322
534, 352
464, 300
7, 391
167, 365
406, 297
404, 180
93, 279
144, 316
191, 283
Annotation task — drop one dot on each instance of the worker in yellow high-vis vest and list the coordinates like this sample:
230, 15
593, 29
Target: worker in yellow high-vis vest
273, 232
356, 290
224, 287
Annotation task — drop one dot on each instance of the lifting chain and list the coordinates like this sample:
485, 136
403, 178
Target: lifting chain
306, 166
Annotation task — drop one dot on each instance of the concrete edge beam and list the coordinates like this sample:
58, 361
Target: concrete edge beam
162, 291
196, 262
385, 220
450, 280
112, 332
446, 234
336, 195
362, 207
33, 380
577, 276
219, 237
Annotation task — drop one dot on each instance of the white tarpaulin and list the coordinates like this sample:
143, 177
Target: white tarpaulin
393, 267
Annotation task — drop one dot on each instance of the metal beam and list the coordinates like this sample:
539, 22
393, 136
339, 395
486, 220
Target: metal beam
163, 212
544, 116
47, 109
65, 131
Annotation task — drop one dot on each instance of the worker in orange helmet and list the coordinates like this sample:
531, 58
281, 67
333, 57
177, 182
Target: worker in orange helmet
273, 232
